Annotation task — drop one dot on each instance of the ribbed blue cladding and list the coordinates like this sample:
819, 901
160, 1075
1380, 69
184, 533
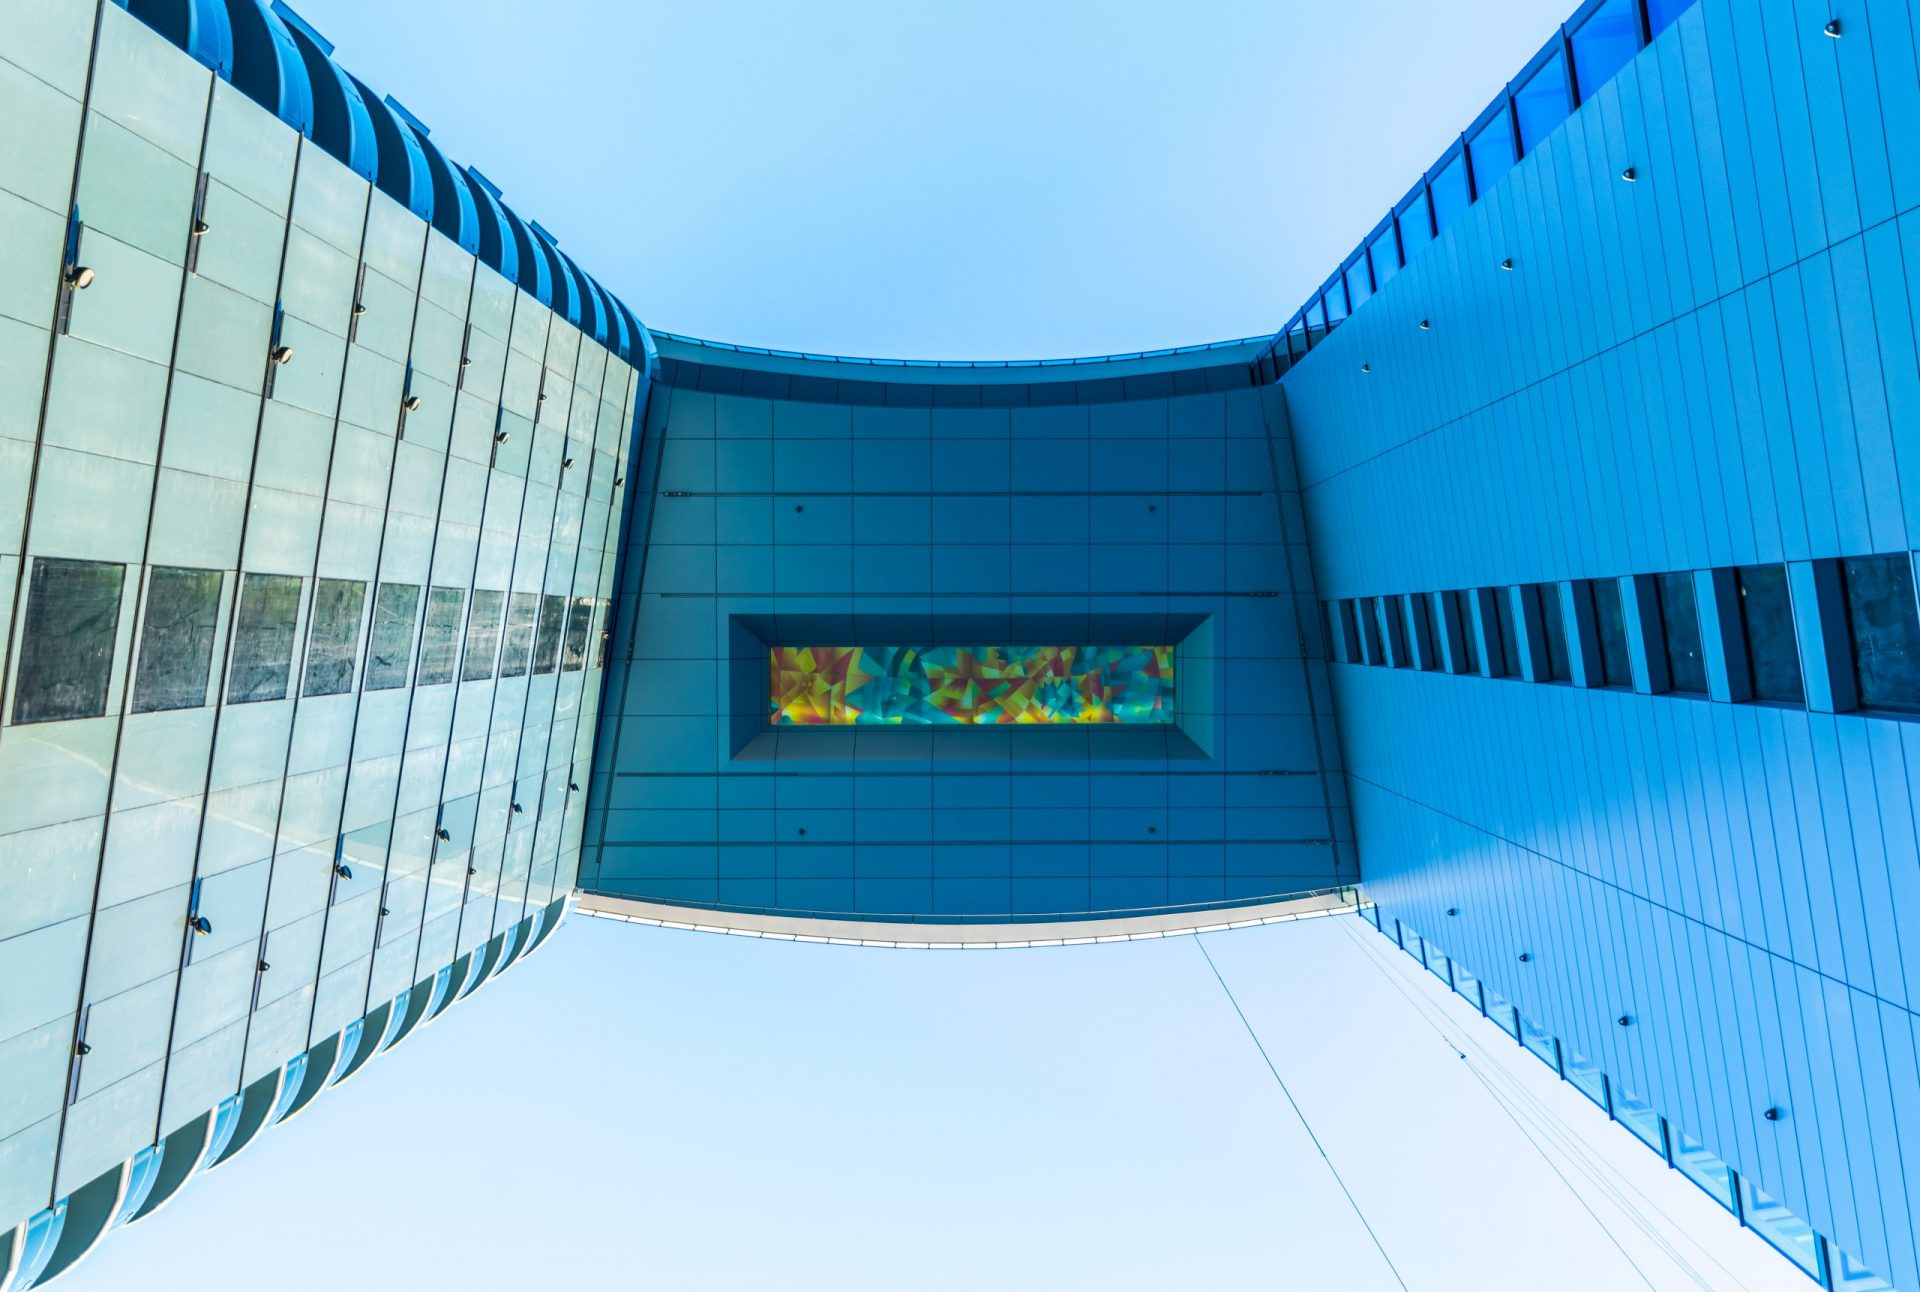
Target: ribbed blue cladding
591, 321
497, 247
401, 172
453, 206
267, 66
536, 273
566, 293
200, 27
620, 340
341, 123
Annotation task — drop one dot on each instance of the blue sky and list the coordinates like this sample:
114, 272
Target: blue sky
986, 180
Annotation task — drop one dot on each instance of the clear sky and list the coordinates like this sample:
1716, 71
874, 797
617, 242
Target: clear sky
637, 1108
991, 179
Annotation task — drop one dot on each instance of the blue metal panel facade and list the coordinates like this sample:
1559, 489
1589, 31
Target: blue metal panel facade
1678, 337
766, 515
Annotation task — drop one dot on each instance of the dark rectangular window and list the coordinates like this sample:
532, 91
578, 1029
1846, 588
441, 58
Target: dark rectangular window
1886, 630
1369, 633
1509, 640
333, 643
483, 634
1420, 647
390, 651
263, 638
606, 633
1680, 629
1542, 103
1449, 190
1766, 620
546, 645
523, 609
176, 640
1604, 43
440, 635
66, 650
1491, 151
573, 655
1554, 628
1610, 626
1391, 642
1469, 640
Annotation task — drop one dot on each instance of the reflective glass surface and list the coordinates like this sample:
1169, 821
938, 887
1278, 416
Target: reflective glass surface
334, 642
390, 650
1491, 151
440, 635
1544, 1046
483, 634
1554, 629
1680, 623
1586, 1077
1616, 669
1793, 1236
971, 685
1703, 1168
176, 639
1509, 642
1638, 1116
1886, 630
263, 638
546, 647
1604, 42
1542, 103
1449, 192
523, 608
66, 651
1766, 616
573, 652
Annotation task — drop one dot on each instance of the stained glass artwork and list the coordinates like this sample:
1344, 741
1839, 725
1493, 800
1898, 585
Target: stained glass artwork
971, 685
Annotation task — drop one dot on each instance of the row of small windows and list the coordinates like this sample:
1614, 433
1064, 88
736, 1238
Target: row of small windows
73, 617
1787, 1232
1584, 55
1661, 632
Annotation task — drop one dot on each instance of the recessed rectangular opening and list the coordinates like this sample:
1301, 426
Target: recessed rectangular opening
915, 685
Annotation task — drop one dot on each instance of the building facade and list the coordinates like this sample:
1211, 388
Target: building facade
1549, 573
309, 453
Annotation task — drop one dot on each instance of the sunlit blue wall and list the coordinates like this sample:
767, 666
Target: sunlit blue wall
1702, 356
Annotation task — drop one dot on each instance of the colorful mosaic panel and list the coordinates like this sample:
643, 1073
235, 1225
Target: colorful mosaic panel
976, 685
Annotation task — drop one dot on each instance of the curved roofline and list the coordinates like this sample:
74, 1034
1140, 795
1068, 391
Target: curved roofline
1166, 352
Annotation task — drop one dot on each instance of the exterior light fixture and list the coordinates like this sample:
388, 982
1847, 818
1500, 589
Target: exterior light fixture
440, 833
1525, 956
411, 403
466, 361
385, 911
1625, 1020
619, 480
566, 464
801, 830
518, 808
472, 871
543, 396
573, 787
82, 1049
1366, 367
1425, 325
262, 967
1832, 28
200, 924
343, 870
1507, 264
80, 277
1629, 175
1772, 1114
1453, 910
358, 309
201, 228
282, 355
499, 437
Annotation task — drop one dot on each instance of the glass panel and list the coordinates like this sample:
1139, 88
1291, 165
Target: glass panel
66, 652
1587, 1077
1384, 607
1359, 286
333, 645
1766, 614
573, 654
1611, 628
523, 608
1411, 943
483, 634
1336, 299
1851, 1276
176, 643
1638, 1116
606, 634
1793, 1236
395, 606
1544, 1047
1466, 984
1418, 613
1416, 228
1554, 629
440, 636
1499, 1009
1886, 630
1449, 192
546, 647
1369, 634
1491, 152
1661, 13
969, 685
263, 638
1438, 965
1604, 43
1509, 642
1680, 625
1702, 1167
1542, 103
1469, 639
1385, 257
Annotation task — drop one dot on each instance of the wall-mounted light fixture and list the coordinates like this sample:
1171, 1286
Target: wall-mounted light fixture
80, 277
282, 355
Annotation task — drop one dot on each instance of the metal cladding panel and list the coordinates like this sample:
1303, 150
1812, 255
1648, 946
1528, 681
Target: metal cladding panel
1673, 345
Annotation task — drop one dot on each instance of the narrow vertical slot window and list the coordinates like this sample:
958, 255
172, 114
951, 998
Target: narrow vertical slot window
66, 649
440, 635
523, 609
1609, 620
333, 642
1766, 621
1680, 634
263, 637
390, 649
1604, 44
573, 653
1542, 103
1369, 633
1469, 639
546, 647
1553, 627
1509, 642
1885, 627
176, 640
1450, 192
1491, 151
606, 634
483, 635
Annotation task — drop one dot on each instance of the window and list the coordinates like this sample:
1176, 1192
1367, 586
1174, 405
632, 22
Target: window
546, 645
483, 634
1886, 630
1703, 1168
523, 608
1449, 190
66, 650
1466, 984
1336, 301
1419, 630
1462, 609
1791, 1236
176, 640
1542, 103
1415, 224
1680, 630
1661, 13
1491, 151
1369, 634
1553, 626
1586, 1077
395, 607
1359, 285
1544, 1046
606, 634
1503, 624
1385, 256
1610, 626
1496, 1007
263, 638
1638, 1116
333, 643
573, 655
1766, 620
440, 637
1391, 642
1604, 43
